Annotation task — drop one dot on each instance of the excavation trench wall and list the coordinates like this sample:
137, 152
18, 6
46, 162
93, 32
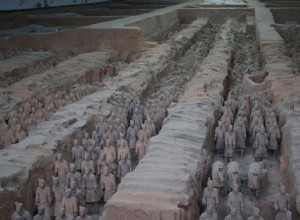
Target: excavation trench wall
165, 184
285, 84
24, 162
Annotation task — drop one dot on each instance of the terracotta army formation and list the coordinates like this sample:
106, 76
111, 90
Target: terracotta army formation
20, 213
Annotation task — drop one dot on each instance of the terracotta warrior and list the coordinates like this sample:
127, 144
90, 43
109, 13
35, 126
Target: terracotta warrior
230, 143
20, 134
73, 174
61, 169
89, 186
43, 196
20, 213
220, 138
274, 137
108, 184
61, 215
208, 214
255, 215
83, 214
233, 215
123, 148
69, 204
76, 192
140, 148
77, 155
109, 152
210, 195
41, 214
240, 133
235, 200
132, 135
260, 144
281, 203
58, 193
124, 167
87, 163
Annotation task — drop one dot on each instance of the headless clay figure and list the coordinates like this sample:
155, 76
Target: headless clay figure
83, 214
41, 214
61, 169
208, 214
69, 204
58, 193
43, 196
235, 200
210, 196
230, 142
108, 184
20, 213
124, 167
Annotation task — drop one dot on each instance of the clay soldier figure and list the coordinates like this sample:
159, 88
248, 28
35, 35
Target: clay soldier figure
123, 148
260, 144
226, 119
61, 169
108, 184
274, 137
20, 213
101, 163
255, 215
140, 148
132, 135
233, 215
83, 214
89, 185
77, 155
43, 196
69, 204
281, 203
41, 214
235, 200
87, 162
76, 192
20, 134
208, 214
124, 167
240, 133
220, 138
58, 193
109, 152
73, 174
61, 215
229, 143
210, 196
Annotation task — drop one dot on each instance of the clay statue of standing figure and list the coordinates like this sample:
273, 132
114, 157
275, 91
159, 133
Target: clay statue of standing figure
76, 192
89, 185
73, 174
230, 143
43, 196
240, 133
108, 184
210, 196
109, 152
61, 215
83, 214
41, 214
61, 168
233, 215
274, 137
260, 144
123, 148
132, 135
140, 148
220, 138
235, 200
69, 204
87, 162
255, 215
20, 213
281, 203
124, 167
58, 193
77, 155
208, 214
